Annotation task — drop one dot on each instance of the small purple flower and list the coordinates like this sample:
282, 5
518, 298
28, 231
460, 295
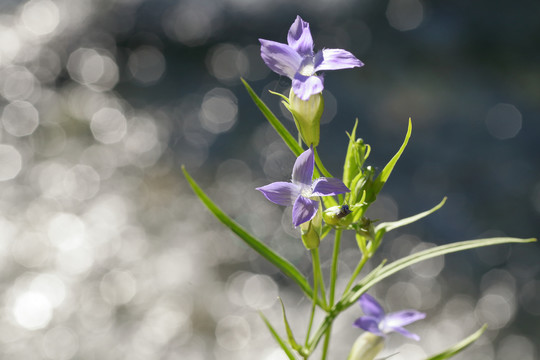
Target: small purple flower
299, 63
377, 322
301, 191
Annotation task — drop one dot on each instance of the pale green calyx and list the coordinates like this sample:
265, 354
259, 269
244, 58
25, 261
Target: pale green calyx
311, 231
366, 347
338, 215
307, 116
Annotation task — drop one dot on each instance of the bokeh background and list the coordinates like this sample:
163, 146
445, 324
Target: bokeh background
105, 252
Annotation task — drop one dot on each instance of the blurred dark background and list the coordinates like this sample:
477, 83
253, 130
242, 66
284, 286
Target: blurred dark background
107, 254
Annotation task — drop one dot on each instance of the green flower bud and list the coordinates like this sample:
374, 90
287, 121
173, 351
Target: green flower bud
307, 116
366, 347
338, 215
311, 231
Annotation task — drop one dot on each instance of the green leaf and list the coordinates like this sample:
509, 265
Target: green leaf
350, 168
290, 335
274, 121
281, 263
407, 261
389, 226
459, 346
277, 338
385, 173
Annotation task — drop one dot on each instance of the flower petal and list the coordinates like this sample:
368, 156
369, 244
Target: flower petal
281, 193
368, 323
371, 307
402, 318
303, 168
335, 59
299, 37
304, 209
305, 86
328, 186
280, 58
405, 332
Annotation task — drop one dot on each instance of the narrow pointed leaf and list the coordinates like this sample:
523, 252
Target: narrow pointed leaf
389, 226
290, 335
281, 263
407, 261
278, 338
385, 173
320, 165
274, 121
350, 168
450, 352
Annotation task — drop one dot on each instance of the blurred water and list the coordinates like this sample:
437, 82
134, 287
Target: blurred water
105, 252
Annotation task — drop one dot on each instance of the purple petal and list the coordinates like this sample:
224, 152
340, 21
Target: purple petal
299, 37
305, 86
335, 59
281, 193
304, 209
405, 332
303, 168
368, 323
328, 186
280, 58
371, 307
402, 318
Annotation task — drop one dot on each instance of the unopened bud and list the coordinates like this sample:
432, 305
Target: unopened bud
307, 116
366, 347
338, 215
311, 231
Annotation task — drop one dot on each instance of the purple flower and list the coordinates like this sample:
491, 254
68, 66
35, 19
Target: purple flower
299, 63
302, 190
377, 322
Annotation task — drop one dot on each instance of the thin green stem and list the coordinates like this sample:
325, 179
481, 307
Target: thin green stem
326, 344
317, 270
333, 279
315, 292
334, 270
327, 323
359, 268
320, 164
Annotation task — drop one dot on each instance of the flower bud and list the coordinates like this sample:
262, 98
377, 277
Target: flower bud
307, 116
338, 215
366, 347
311, 231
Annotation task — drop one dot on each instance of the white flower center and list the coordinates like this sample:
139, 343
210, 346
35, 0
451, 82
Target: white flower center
307, 69
306, 191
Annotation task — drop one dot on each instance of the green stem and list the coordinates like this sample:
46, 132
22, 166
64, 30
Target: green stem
315, 262
334, 270
333, 279
356, 272
326, 344
317, 270
327, 324
320, 164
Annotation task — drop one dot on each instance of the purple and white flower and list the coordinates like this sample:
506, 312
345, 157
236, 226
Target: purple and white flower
377, 322
299, 63
302, 191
